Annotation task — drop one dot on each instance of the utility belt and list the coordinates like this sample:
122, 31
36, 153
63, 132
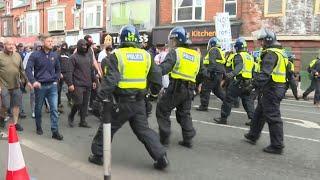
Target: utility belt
130, 98
179, 83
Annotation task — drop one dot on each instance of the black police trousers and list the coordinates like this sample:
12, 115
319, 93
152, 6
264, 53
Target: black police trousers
135, 113
233, 92
179, 96
268, 110
311, 88
211, 85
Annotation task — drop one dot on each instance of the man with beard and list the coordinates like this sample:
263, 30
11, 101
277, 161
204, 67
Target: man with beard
43, 71
80, 78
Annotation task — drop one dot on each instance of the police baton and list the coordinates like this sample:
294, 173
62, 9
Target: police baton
106, 119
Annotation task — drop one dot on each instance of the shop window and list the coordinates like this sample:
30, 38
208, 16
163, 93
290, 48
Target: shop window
93, 14
56, 20
274, 8
230, 6
32, 24
317, 7
188, 10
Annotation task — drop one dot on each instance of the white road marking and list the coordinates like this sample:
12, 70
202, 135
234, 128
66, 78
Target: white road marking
300, 101
299, 105
298, 122
247, 129
83, 167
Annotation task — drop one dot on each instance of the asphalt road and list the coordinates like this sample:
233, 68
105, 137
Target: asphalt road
219, 151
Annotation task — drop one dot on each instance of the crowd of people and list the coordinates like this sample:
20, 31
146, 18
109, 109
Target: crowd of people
132, 74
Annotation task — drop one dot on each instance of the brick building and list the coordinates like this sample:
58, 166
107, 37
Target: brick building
24, 20
197, 16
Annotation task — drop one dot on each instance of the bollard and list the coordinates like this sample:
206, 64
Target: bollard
107, 150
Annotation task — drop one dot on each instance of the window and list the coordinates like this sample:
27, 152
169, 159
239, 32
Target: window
230, 6
7, 27
8, 8
54, 2
33, 4
20, 3
22, 26
188, 10
274, 8
76, 19
93, 14
136, 12
32, 24
317, 7
56, 20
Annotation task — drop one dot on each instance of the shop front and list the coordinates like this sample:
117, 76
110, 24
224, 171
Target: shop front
199, 34
144, 37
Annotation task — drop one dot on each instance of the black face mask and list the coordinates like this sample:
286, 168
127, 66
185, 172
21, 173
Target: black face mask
82, 46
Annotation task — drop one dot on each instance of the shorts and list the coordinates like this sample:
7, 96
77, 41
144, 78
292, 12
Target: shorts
11, 98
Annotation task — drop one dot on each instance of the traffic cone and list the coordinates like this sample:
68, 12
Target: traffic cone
16, 167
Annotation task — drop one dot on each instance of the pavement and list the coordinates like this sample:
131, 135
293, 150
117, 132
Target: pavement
219, 151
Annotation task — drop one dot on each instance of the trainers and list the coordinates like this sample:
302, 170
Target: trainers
57, 136
161, 163
39, 131
18, 127
33, 115
84, 125
96, 160
220, 120
22, 115
3, 136
185, 144
273, 150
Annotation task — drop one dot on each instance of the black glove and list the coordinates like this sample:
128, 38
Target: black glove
229, 75
97, 106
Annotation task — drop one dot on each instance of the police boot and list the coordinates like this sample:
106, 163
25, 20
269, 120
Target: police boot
202, 108
84, 124
250, 139
161, 163
187, 144
164, 141
98, 160
248, 123
220, 120
272, 150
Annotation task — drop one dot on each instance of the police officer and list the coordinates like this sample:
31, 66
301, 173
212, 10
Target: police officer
313, 84
128, 70
229, 59
242, 66
214, 61
272, 83
315, 72
183, 64
291, 82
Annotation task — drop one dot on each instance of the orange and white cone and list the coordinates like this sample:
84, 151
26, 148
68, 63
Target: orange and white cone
16, 167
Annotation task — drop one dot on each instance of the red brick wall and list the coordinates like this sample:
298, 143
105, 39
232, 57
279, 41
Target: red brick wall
212, 7
165, 12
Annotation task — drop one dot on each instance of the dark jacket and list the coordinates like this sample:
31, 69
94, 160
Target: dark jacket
213, 66
81, 70
46, 67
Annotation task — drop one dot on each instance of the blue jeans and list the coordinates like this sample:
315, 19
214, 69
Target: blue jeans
49, 91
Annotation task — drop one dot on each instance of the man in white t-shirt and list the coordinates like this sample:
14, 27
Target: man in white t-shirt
158, 59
